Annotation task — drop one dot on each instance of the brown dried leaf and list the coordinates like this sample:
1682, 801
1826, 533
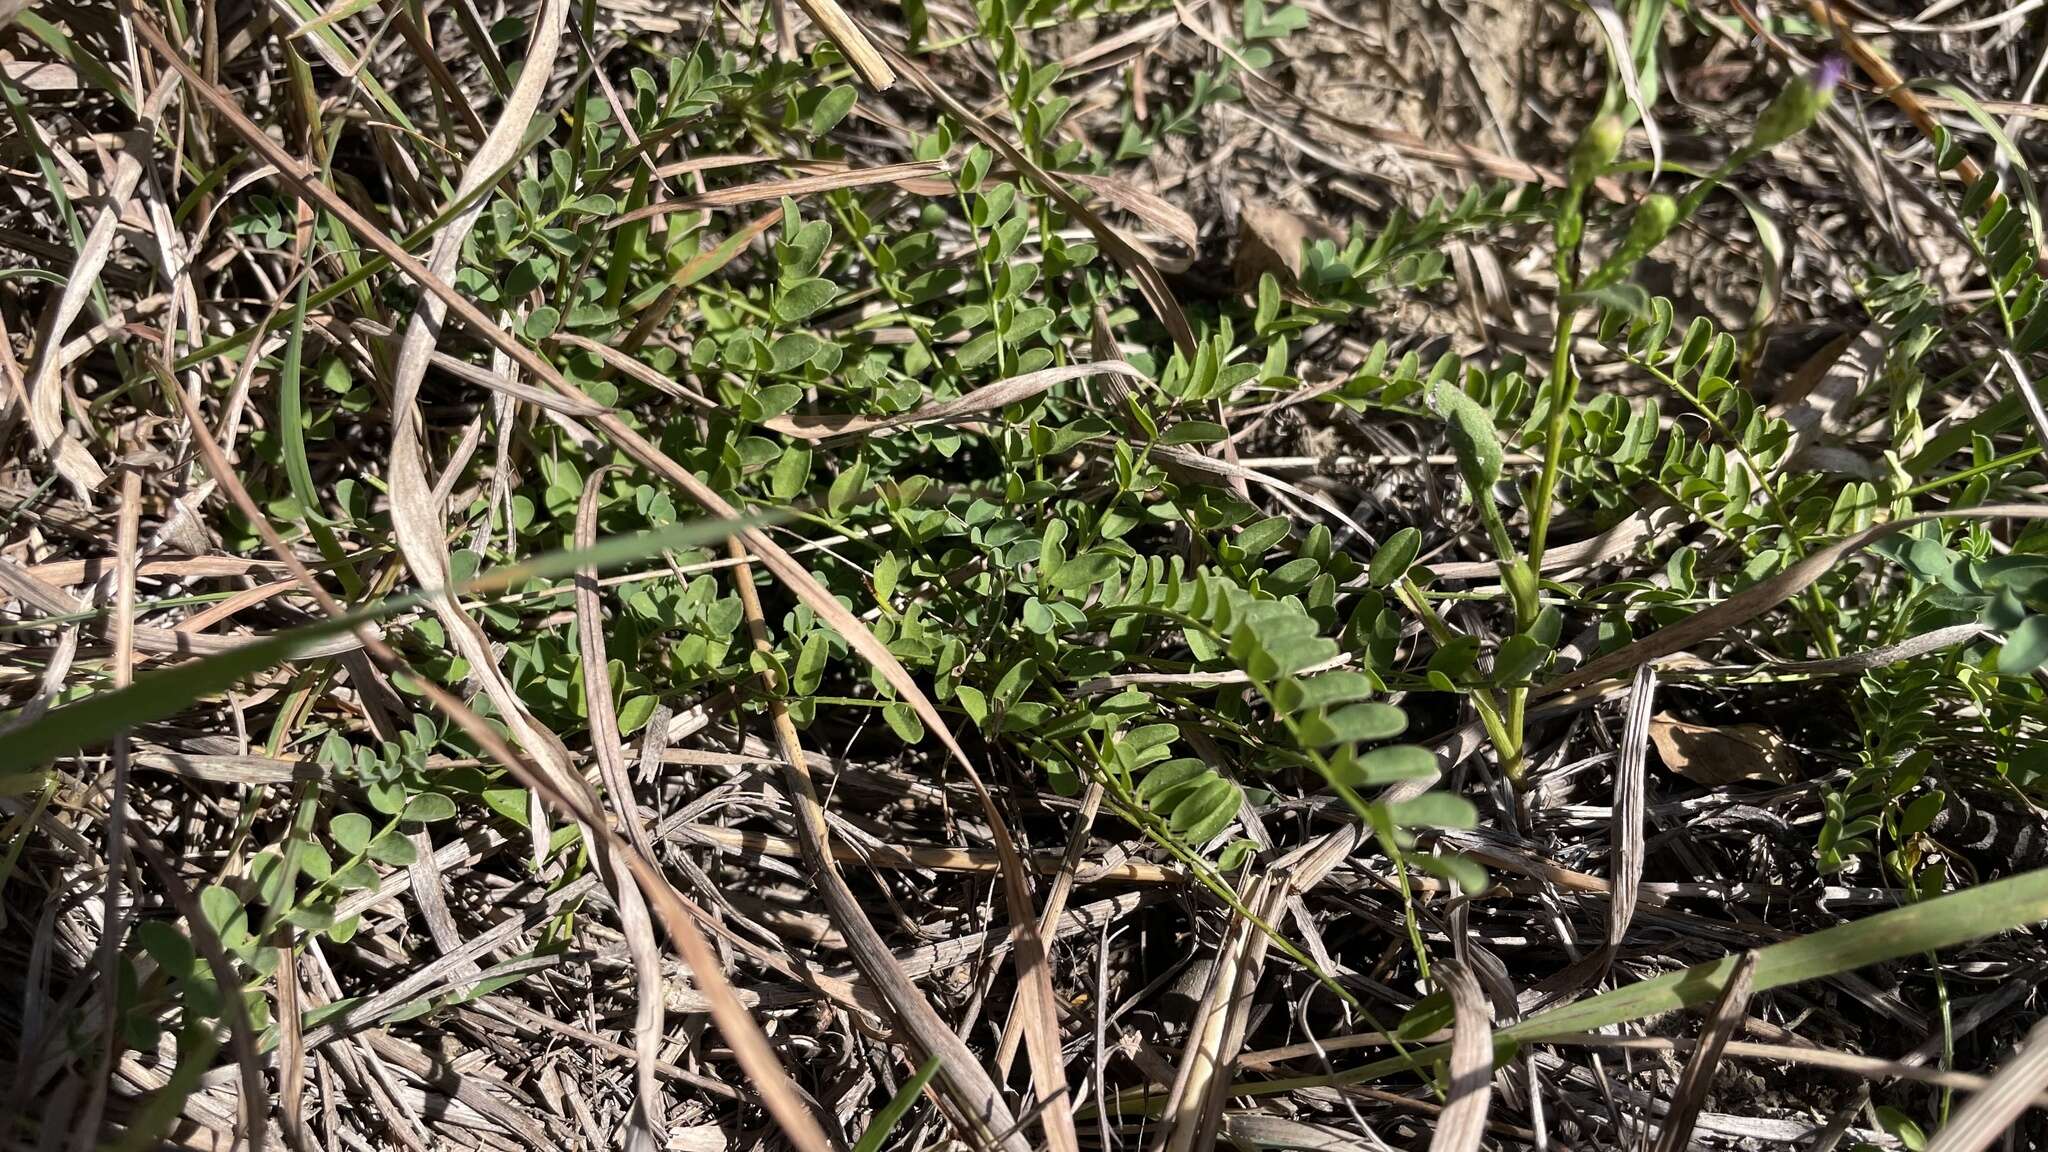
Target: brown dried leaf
1269, 239
1709, 755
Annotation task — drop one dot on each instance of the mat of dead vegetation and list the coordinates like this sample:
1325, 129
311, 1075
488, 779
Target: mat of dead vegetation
1035, 574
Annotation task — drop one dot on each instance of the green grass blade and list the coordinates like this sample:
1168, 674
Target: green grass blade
892, 1113
162, 693
1929, 926
346, 61
291, 413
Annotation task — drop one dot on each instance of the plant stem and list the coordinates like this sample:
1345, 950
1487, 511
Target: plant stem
1505, 741
1564, 389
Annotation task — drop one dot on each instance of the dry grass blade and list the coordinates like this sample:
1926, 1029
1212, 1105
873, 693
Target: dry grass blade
418, 519
1623, 538
2021, 384
1991, 1112
291, 1052
1281, 886
648, 1019
1055, 907
852, 42
66, 573
637, 369
776, 189
1698, 1078
1148, 206
976, 1099
1625, 829
1258, 1130
936, 857
1866, 1066
606, 745
45, 417
1761, 597
1462, 1123
504, 385
1887, 80
1925, 644
20, 583
988, 398
113, 898
1202, 1061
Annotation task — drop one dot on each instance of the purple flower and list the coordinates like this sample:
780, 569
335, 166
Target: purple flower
1832, 71
1798, 104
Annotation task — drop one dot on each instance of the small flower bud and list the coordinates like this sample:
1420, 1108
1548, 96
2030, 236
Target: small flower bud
1653, 219
1799, 104
1596, 149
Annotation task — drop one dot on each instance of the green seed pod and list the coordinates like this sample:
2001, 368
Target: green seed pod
1596, 149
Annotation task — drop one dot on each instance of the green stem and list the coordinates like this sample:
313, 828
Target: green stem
1498, 733
1564, 389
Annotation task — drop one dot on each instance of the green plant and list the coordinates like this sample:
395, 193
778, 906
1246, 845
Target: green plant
997, 450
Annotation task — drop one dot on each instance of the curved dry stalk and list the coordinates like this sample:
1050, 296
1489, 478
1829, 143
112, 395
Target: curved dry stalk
611, 761
975, 1097
1869, 1067
761, 190
988, 398
1759, 598
1698, 1078
1203, 1064
417, 519
113, 924
1067, 867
